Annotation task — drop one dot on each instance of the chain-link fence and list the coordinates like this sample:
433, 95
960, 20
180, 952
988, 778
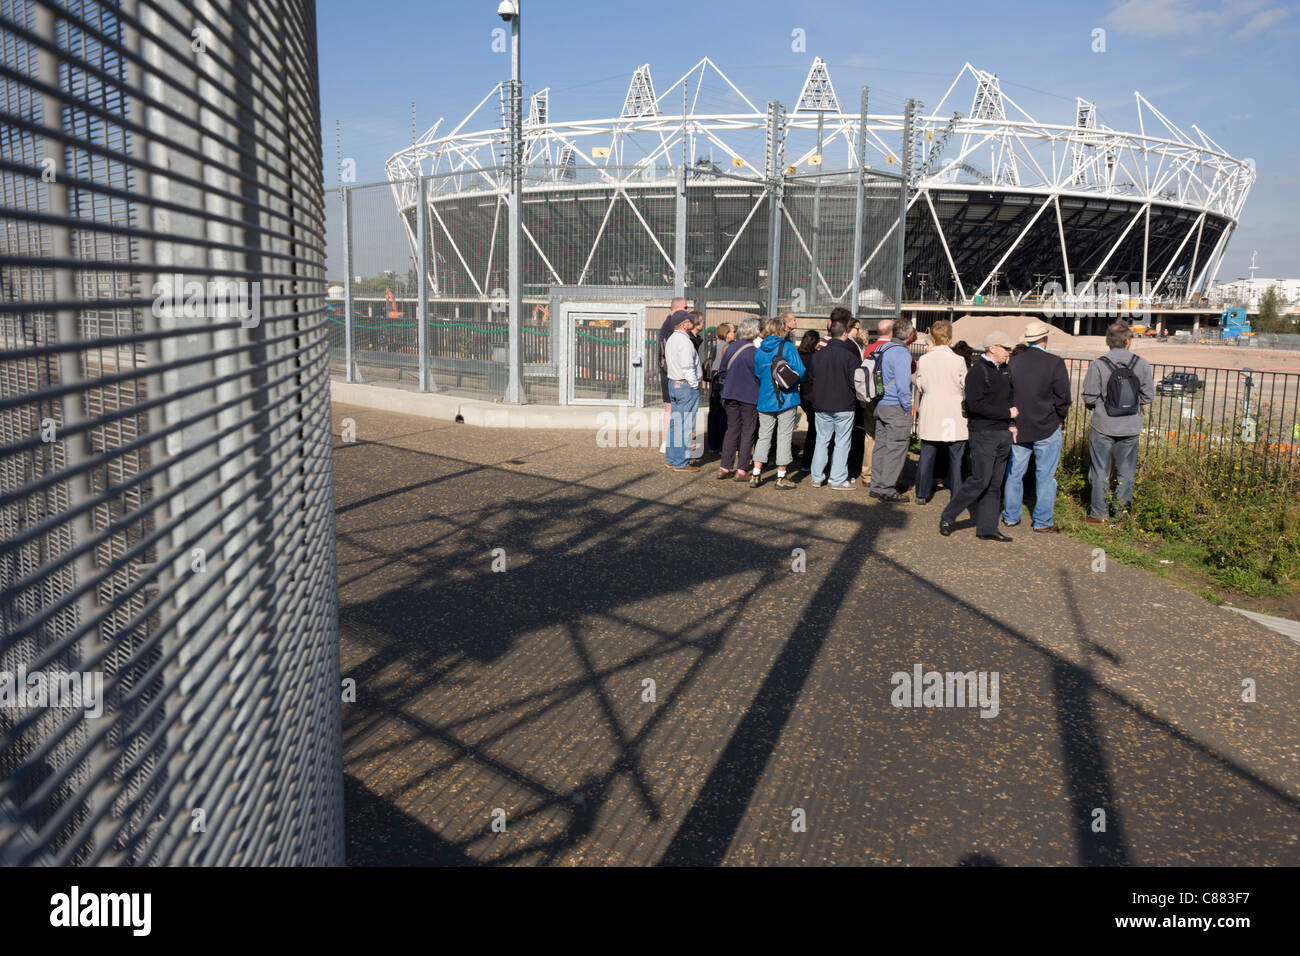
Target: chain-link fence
437, 247
169, 683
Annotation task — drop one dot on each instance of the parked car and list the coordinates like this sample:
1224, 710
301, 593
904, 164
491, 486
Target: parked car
1179, 383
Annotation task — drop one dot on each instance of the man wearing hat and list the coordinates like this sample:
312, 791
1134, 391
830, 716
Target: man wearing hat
989, 411
1042, 387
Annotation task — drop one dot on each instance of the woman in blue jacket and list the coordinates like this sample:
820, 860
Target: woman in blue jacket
777, 408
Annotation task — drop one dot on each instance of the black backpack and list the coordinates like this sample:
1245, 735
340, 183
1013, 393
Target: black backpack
784, 377
1123, 390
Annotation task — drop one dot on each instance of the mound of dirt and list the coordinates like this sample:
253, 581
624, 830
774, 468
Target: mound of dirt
972, 329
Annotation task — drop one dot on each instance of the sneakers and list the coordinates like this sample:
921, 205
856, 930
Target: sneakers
818, 482
784, 483
755, 480
844, 486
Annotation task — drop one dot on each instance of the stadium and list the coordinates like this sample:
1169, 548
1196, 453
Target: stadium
997, 203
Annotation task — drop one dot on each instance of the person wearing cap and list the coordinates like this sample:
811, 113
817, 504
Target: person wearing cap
1042, 389
670, 323
682, 366
989, 414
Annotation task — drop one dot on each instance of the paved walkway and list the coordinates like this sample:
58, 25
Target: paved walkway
524, 690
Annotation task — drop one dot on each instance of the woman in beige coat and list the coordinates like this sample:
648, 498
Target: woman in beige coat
940, 383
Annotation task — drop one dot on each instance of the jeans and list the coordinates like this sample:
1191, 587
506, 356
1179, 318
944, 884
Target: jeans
1124, 451
1047, 453
681, 422
742, 429
783, 424
989, 451
925, 468
841, 423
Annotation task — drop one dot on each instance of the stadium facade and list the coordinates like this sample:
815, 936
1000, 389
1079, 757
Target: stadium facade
997, 202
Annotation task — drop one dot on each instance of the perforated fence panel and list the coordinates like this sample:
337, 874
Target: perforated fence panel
169, 684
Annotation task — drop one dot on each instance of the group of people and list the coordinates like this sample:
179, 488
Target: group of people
984, 414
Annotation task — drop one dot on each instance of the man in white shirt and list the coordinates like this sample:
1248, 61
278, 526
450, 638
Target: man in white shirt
682, 365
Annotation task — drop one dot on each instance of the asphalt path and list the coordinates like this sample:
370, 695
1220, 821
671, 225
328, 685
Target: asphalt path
506, 716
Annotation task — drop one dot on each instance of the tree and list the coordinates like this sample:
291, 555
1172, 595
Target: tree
1270, 318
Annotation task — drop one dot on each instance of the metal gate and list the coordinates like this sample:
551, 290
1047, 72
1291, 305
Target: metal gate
169, 683
604, 353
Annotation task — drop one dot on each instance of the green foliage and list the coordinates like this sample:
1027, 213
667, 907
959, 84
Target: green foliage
1270, 318
1195, 507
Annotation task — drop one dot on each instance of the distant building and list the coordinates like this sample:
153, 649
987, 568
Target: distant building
334, 292
1248, 292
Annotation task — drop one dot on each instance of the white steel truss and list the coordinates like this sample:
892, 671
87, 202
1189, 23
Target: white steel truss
997, 147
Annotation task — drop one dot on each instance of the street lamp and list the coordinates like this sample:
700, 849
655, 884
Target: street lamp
508, 10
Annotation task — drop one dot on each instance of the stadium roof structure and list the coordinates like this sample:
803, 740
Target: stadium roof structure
1161, 201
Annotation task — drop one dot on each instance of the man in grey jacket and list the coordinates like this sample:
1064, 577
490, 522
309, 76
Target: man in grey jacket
1114, 437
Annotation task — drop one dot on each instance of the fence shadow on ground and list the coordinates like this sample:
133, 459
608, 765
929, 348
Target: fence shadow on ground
467, 677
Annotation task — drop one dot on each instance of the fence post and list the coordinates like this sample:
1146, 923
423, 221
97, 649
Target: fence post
816, 215
679, 237
855, 290
421, 295
348, 364
775, 176
906, 159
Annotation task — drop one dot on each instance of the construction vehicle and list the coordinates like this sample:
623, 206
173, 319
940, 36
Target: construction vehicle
1234, 324
393, 312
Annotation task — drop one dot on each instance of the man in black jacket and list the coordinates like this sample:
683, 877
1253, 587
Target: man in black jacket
989, 411
1042, 387
834, 400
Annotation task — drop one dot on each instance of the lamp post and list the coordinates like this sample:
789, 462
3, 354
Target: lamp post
508, 10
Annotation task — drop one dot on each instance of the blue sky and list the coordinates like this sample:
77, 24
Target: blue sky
1233, 68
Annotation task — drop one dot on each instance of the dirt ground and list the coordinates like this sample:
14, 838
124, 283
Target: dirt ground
1210, 356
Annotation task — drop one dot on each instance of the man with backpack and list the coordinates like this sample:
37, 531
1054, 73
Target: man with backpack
1117, 387
892, 363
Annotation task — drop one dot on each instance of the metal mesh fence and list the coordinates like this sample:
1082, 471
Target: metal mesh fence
168, 660
587, 233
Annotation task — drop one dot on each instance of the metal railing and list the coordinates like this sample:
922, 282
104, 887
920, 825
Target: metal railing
1235, 420
167, 570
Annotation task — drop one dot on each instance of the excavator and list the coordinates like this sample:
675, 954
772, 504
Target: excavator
393, 311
